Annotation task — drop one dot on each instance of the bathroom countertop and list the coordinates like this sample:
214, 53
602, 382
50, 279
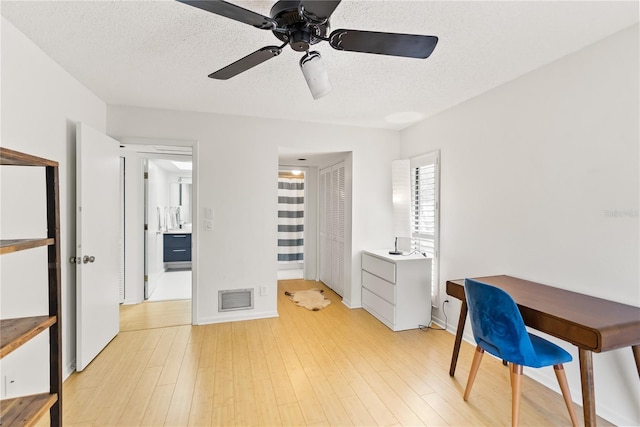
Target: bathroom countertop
186, 230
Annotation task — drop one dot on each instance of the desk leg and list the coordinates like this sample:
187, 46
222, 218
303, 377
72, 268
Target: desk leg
636, 355
456, 347
588, 396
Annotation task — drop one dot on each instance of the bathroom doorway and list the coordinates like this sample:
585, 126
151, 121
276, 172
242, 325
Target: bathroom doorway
291, 223
160, 198
168, 212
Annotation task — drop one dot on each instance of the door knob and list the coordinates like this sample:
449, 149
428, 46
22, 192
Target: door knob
86, 259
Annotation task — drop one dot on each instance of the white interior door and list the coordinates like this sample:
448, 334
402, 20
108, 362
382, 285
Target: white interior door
332, 226
325, 225
97, 231
337, 241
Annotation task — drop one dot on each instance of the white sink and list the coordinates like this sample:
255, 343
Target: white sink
185, 229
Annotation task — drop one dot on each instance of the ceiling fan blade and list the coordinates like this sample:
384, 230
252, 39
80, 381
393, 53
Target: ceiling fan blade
232, 11
249, 61
407, 45
318, 10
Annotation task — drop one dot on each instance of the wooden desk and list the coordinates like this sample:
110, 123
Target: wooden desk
590, 323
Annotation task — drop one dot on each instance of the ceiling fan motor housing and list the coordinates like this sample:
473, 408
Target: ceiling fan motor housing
300, 40
299, 31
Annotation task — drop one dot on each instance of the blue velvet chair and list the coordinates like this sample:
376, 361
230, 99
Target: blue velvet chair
498, 329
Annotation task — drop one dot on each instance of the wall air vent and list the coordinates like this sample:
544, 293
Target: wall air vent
235, 299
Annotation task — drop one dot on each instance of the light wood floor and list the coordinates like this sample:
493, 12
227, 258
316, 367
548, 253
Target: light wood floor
331, 367
156, 314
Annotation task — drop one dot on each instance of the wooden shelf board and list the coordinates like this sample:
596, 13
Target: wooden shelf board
15, 332
14, 245
15, 158
26, 410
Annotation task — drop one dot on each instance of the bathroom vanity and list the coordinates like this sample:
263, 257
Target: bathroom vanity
177, 249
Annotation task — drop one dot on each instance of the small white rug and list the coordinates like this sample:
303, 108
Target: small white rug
311, 299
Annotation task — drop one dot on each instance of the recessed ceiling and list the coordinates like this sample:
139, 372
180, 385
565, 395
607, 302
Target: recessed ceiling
158, 54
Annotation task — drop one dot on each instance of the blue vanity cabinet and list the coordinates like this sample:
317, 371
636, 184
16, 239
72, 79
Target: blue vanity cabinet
177, 247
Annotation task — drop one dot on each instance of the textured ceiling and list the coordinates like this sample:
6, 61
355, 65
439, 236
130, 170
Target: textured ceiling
158, 53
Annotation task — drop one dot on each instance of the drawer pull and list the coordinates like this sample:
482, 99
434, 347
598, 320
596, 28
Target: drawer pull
179, 250
184, 236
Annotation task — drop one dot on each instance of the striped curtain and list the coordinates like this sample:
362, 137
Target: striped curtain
290, 219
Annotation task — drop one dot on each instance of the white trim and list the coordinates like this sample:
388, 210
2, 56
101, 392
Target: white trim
244, 315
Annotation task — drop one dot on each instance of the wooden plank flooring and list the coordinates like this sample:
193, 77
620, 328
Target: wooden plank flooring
331, 367
156, 314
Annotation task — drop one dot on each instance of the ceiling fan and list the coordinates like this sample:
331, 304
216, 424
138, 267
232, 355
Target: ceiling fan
302, 23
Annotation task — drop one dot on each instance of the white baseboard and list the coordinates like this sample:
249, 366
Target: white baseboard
236, 317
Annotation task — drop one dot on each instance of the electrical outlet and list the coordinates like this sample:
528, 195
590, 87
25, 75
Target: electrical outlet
263, 290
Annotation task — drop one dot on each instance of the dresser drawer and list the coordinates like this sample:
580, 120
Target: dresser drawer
380, 287
177, 254
379, 267
177, 241
380, 308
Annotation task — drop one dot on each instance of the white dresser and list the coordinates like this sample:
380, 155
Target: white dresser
397, 288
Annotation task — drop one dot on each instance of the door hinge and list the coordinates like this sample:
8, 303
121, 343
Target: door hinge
146, 227
146, 278
146, 175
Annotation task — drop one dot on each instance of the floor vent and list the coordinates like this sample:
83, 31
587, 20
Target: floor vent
235, 299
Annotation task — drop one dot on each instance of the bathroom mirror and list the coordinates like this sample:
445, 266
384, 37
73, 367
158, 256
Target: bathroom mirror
180, 195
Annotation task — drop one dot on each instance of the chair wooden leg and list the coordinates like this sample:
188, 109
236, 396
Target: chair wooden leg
516, 386
477, 358
566, 394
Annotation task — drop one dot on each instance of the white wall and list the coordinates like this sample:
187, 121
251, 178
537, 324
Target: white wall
237, 176
530, 173
41, 103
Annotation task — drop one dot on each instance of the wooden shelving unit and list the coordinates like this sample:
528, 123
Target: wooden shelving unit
27, 410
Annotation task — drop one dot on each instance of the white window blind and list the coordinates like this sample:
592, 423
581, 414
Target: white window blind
425, 199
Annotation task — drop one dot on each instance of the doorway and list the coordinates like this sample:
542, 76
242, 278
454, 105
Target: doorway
310, 163
161, 219
291, 223
168, 250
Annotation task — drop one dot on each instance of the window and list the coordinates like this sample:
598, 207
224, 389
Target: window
425, 199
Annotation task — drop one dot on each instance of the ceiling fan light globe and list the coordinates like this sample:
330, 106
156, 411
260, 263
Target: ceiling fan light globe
315, 73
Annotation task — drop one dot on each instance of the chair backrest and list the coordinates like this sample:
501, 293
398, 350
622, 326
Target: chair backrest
497, 324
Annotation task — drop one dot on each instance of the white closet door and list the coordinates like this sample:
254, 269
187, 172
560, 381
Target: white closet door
332, 190
325, 237
337, 238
